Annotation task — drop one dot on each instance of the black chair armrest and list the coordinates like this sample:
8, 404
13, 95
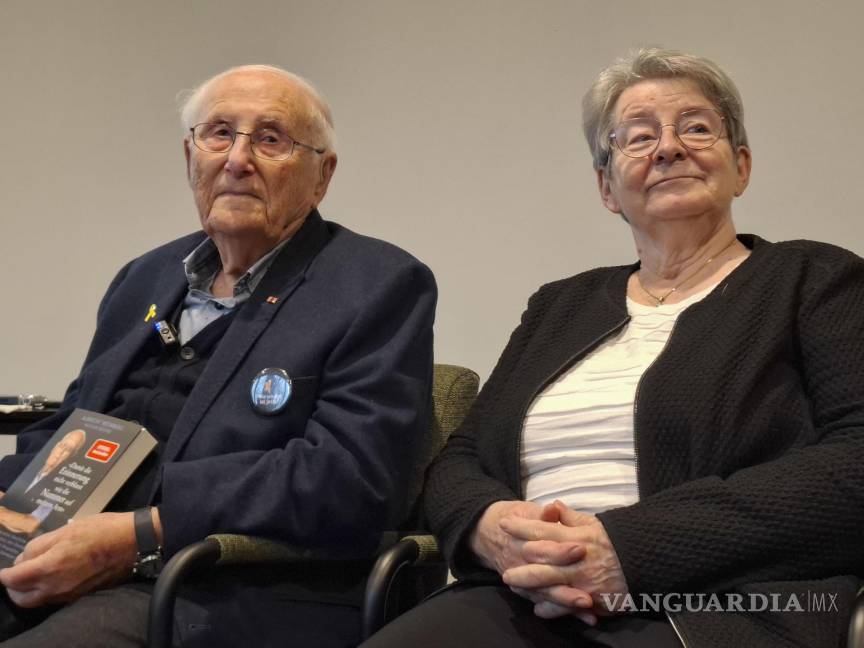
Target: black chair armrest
225, 549
413, 550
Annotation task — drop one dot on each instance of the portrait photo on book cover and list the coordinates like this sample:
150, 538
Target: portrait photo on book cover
64, 452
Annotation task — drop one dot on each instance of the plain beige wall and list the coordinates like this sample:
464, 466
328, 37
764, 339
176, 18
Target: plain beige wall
459, 140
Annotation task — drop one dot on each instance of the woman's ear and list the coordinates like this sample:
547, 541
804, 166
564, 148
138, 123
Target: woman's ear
743, 163
606, 195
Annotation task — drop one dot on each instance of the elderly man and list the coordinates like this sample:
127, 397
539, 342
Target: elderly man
284, 364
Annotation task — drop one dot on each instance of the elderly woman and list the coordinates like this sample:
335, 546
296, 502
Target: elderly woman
653, 434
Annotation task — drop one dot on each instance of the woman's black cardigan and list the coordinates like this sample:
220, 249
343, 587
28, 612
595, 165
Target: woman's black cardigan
749, 426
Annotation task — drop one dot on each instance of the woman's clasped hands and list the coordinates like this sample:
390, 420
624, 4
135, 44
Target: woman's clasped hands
560, 559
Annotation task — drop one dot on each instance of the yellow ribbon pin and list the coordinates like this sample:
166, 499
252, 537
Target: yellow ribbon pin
151, 313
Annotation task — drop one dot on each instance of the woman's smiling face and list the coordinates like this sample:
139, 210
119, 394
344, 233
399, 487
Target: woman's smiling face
674, 182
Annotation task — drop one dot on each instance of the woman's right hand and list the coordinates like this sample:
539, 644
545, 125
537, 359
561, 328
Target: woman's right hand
499, 550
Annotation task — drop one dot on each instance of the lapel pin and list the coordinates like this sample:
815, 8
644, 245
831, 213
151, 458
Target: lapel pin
271, 390
151, 313
272, 300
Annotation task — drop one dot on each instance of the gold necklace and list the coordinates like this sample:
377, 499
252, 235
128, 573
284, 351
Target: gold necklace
662, 299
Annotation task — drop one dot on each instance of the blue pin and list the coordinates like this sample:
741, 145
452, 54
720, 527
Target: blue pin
271, 391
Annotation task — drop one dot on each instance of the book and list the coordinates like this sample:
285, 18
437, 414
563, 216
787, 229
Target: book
75, 474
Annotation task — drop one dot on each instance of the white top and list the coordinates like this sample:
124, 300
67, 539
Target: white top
577, 438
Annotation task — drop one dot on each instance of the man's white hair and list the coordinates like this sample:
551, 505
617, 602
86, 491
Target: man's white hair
320, 116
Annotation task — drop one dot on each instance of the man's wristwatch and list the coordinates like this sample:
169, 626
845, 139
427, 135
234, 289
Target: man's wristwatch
148, 562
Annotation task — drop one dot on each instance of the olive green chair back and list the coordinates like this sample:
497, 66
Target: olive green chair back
454, 389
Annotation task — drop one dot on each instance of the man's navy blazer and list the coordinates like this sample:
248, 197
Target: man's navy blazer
349, 318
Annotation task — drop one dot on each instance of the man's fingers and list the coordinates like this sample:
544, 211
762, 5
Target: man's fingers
547, 552
36, 582
30, 566
39, 545
21, 577
27, 574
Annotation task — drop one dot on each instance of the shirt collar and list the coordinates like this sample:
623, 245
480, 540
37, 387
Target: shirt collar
204, 263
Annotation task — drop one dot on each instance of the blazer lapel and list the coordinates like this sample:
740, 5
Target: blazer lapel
253, 318
168, 290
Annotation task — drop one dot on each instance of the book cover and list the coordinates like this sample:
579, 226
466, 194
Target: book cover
76, 474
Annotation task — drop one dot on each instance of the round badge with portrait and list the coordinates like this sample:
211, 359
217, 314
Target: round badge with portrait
271, 391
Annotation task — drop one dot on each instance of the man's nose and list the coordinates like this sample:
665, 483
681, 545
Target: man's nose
240, 155
669, 146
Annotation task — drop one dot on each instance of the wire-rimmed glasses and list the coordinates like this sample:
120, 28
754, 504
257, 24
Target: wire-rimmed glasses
696, 129
266, 143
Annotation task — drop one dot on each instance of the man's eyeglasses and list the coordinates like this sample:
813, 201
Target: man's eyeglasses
266, 143
695, 129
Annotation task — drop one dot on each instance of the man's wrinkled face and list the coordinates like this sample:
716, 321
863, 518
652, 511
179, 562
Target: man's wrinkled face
60, 453
244, 196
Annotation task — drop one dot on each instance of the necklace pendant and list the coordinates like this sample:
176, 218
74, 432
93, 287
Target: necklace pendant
662, 300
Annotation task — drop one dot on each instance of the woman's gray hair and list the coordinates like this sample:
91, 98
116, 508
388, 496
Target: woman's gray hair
320, 116
598, 104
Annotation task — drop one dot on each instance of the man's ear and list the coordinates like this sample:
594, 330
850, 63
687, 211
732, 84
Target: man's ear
188, 153
328, 166
743, 164
606, 195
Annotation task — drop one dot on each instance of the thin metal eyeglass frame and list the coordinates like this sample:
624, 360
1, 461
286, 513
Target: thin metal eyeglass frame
294, 143
660, 128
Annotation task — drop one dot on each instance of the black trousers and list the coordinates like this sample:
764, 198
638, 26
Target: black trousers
117, 618
492, 616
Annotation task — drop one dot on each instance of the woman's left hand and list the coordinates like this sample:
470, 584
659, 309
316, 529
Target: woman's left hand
557, 590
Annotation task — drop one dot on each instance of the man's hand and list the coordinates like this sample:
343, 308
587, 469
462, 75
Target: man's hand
62, 565
559, 589
500, 550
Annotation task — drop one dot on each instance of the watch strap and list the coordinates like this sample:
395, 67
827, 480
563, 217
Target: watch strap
145, 532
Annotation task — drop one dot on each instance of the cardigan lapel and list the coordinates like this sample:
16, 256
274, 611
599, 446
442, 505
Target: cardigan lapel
583, 331
253, 318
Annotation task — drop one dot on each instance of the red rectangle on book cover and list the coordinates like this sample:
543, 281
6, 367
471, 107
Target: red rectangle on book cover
102, 450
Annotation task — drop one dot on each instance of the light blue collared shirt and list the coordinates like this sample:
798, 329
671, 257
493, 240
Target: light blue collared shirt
200, 307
